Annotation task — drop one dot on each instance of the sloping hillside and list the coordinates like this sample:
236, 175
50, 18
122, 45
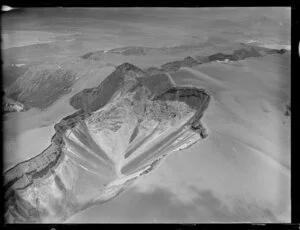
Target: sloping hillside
44, 83
97, 97
39, 88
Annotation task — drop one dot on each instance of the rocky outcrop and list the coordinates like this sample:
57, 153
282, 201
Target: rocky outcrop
92, 55
127, 51
287, 110
95, 98
176, 65
241, 54
195, 98
9, 105
219, 57
153, 71
275, 51
109, 142
237, 55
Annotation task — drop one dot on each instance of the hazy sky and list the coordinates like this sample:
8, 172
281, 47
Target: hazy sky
148, 26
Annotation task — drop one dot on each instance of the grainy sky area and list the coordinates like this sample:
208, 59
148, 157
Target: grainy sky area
117, 27
212, 181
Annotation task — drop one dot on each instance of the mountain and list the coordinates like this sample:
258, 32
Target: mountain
126, 51
208, 47
237, 55
175, 65
95, 98
39, 87
135, 50
96, 56
11, 73
122, 129
42, 84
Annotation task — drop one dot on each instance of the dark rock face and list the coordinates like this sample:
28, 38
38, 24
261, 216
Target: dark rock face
190, 61
12, 107
282, 51
95, 98
96, 56
87, 55
128, 51
244, 53
202, 59
175, 66
275, 51
196, 98
237, 55
171, 66
219, 57
157, 84
127, 68
288, 110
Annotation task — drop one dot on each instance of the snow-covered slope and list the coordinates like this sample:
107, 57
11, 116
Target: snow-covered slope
245, 161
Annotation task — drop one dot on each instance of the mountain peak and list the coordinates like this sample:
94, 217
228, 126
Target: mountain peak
95, 98
127, 67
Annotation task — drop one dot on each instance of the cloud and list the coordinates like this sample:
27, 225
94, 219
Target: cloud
157, 206
7, 8
243, 182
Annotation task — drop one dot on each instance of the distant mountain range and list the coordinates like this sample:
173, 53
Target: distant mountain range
244, 51
41, 85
